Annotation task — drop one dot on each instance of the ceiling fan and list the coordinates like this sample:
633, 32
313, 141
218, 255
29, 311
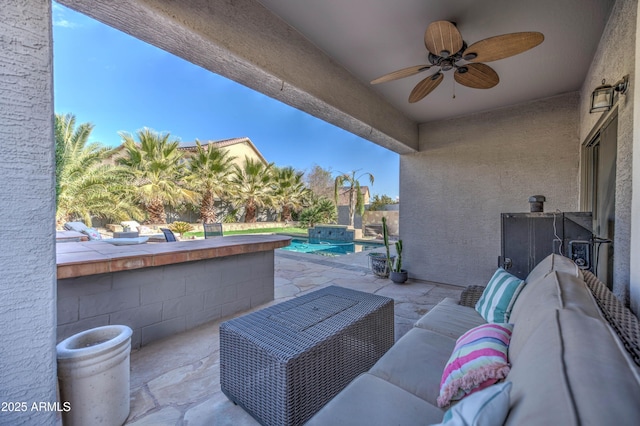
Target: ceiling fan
447, 51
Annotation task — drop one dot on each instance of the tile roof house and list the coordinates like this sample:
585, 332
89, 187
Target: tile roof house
236, 147
343, 195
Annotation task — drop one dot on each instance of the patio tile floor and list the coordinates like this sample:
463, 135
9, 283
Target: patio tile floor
176, 381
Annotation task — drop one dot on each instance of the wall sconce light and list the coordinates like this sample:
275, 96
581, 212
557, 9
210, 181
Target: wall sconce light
602, 96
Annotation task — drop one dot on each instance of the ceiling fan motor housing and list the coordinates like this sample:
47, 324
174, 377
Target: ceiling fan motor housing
447, 58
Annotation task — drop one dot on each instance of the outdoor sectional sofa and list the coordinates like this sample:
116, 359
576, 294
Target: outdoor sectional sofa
568, 363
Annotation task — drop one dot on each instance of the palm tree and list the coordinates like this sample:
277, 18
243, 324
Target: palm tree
321, 210
86, 185
209, 173
356, 198
290, 191
156, 168
252, 187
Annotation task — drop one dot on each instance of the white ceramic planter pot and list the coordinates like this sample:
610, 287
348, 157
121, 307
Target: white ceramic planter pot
93, 375
378, 264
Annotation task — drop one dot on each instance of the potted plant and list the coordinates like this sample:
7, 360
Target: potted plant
381, 262
394, 263
397, 274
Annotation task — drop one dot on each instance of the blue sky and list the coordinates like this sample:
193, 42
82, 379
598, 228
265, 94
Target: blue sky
119, 83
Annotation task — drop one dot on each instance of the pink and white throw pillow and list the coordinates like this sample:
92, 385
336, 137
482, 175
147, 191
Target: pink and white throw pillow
479, 359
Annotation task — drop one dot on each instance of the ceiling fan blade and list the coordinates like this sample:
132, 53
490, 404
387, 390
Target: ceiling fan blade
502, 46
405, 72
477, 76
442, 38
425, 87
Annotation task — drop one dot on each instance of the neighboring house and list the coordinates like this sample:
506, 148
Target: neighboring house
343, 195
236, 147
240, 148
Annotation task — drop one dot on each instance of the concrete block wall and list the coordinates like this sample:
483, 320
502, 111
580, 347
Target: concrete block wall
344, 219
160, 301
375, 218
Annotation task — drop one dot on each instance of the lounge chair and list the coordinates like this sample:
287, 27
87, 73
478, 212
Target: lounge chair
168, 234
212, 230
92, 233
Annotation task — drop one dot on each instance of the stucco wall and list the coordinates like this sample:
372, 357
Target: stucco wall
614, 58
27, 282
634, 274
469, 170
241, 151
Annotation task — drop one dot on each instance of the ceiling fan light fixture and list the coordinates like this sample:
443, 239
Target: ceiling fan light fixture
445, 53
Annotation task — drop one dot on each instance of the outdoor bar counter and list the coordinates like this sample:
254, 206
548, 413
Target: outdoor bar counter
164, 288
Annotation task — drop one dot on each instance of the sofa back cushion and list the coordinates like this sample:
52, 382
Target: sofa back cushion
572, 371
538, 300
551, 263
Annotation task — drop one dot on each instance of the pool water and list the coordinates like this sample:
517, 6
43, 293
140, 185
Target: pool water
328, 248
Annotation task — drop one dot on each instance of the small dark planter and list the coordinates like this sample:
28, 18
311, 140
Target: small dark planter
399, 277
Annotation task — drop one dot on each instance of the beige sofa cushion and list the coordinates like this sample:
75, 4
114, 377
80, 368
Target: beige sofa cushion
538, 300
571, 371
540, 394
553, 262
450, 319
416, 362
369, 400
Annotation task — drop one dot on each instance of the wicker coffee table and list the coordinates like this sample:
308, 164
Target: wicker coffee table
283, 363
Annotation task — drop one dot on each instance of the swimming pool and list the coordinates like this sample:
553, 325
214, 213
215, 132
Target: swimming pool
328, 248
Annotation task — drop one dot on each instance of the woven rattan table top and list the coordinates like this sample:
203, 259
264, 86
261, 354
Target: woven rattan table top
294, 326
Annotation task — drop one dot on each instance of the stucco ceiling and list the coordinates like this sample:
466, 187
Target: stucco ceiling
374, 37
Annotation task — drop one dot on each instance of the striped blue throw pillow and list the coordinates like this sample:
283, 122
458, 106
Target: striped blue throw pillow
498, 297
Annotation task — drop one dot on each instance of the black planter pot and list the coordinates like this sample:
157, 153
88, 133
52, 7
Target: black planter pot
398, 277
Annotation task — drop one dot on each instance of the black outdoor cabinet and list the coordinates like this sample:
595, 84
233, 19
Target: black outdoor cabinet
527, 238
